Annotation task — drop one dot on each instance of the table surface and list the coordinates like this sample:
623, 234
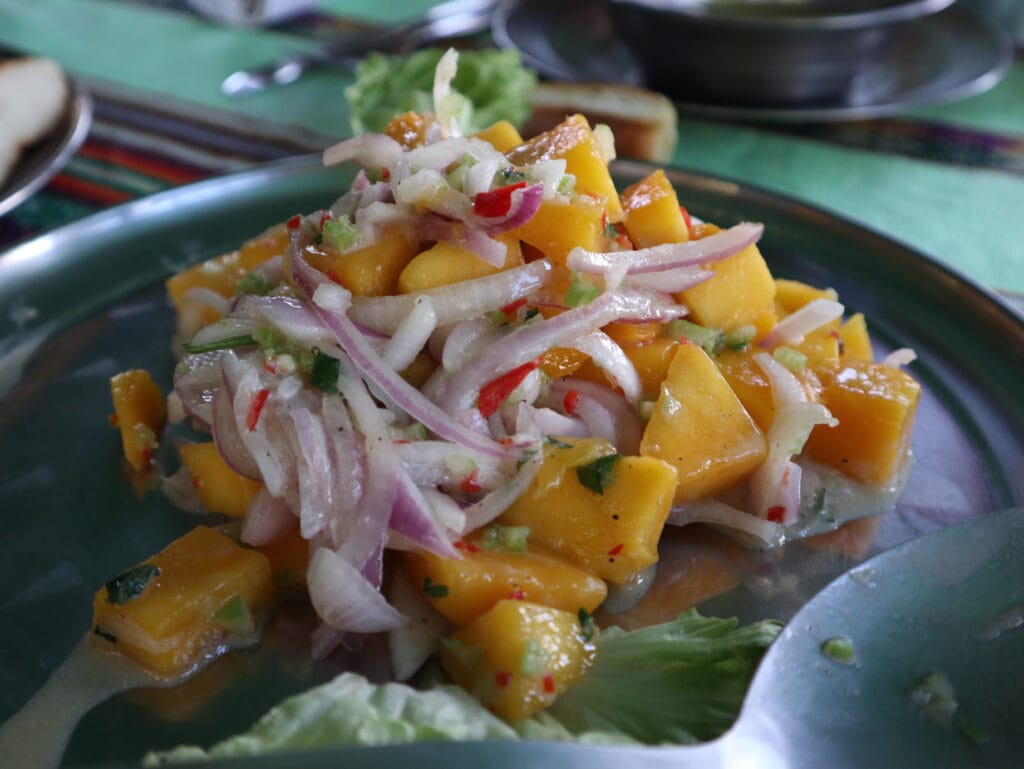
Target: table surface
948, 180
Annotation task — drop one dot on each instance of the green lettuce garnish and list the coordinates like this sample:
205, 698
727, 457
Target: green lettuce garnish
679, 682
493, 84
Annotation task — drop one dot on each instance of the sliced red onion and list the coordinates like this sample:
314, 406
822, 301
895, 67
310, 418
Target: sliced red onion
208, 297
440, 463
498, 501
315, 470
349, 458
230, 445
369, 527
525, 203
610, 358
711, 511
454, 302
679, 279
413, 518
226, 328
267, 520
481, 245
522, 345
404, 395
446, 511
669, 256
795, 416
550, 422
628, 427
381, 213
794, 327
294, 319
411, 335
344, 599
323, 640
464, 339
439, 155
480, 176
411, 645
548, 173
901, 357
196, 380
368, 150
445, 102
598, 419
272, 270
182, 493
638, 304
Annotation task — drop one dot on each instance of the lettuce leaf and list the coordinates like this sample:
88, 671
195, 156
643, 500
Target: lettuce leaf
494, 84
679, 682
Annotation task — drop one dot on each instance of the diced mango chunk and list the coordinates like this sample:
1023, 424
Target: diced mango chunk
561, 225
574, 141
222, 273
741, 293
465, 588
600, 511
791, 295
651, 361
652, 214
289, 559
875, 405
445, 263
699, 426
164, 612
221, 489
748, 380
558, 362
140, 412
518, 657
370, 270
502, 135
856, 341
408, 129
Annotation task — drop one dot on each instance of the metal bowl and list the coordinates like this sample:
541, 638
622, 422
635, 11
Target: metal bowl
763, 53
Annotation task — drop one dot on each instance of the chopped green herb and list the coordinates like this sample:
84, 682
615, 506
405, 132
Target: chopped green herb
707, 338
416, 432
935, 696
971, 732
597, 475
130, 584
507, 176
792, 359
839, 649
581, 291
235, 617
269, 338
534, 660
556, 443
467, 655
740, 338
253, 283
587, 626
512, 538
566, 184
221, 344
326, 370
340, 234
434, 590
105, 635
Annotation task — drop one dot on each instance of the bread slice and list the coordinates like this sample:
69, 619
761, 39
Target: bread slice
643, 121
33, 96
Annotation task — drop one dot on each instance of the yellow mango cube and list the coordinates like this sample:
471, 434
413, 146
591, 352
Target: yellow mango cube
700, 427
748, 380
222, 273
445, 263
408, 129
652, 214
821, 348
741, 293
371, 270
502, 135
855, 338
518, 657
560, 225
596, 509
574, 141
221, 489
875, 405
140, 412
651, 362
180, 604
791, 295
465, 588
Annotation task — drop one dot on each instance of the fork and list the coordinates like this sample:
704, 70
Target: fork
454, 18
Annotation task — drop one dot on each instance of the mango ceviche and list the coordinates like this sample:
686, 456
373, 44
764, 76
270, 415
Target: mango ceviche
460, 404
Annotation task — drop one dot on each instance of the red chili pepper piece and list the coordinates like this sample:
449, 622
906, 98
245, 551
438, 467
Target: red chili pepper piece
517, 595
495, 202
616, 550
776, 513
469, 484
295, 222
511, 307
688, 222
549, 683
385, 174
255, 409
324, 217
494, 393
502, 678
571, 401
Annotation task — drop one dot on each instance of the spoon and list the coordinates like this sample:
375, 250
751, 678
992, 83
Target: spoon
951, 602
455, 18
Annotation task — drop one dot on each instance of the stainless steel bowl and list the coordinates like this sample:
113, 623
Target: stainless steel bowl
763, 53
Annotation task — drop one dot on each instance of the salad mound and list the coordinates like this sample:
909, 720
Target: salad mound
460, 404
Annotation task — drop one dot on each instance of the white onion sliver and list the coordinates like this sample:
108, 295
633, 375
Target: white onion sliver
225, 328
628, 427
230, 445
901, 357
794, 327
412, 517
720, 514
345, 599
315, 470
368, 150
679, 279
610, 358
267, 520
442, 92
498, 501
182, 493
411, 335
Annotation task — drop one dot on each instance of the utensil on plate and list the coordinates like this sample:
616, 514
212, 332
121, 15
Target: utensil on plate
441, 22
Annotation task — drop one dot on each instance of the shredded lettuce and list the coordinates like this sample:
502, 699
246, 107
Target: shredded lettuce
679, 682
494, 85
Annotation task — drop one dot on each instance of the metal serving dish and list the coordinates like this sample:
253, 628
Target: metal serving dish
764, 53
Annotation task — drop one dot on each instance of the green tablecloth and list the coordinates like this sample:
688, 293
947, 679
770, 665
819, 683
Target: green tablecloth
949, 180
